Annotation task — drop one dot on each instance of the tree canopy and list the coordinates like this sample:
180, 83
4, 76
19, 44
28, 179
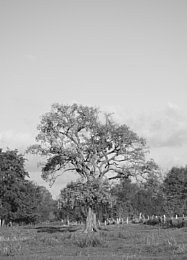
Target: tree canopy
21, 200
13, 186
82, 139
175, 190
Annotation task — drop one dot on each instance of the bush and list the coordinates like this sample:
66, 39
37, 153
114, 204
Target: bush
152, 222
88, 240
176, 223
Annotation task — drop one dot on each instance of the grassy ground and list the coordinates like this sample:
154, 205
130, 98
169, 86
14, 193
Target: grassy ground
121, 242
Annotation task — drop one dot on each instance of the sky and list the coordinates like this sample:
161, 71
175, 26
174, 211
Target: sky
128, 57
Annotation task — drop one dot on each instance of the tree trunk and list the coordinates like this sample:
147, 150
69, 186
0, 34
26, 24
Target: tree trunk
91, 224
2, 222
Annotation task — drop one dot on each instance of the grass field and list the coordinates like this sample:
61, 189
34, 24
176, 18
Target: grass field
127, 242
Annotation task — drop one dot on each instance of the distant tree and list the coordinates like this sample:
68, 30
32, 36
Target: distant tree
16, 199
81, 139
149, 199
12, 174
154, 179
46, 206
148, 204
28, 203
125, 193
175, 190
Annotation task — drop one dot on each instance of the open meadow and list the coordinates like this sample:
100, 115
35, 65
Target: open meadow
132, 241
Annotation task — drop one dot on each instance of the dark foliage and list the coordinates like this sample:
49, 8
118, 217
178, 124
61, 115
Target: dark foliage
175, 190
21, 201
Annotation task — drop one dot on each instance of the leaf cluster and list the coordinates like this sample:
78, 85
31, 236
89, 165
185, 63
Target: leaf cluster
86, 194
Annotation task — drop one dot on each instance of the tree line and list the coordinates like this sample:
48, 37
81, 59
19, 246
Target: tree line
22, 201
115, 177
128, 199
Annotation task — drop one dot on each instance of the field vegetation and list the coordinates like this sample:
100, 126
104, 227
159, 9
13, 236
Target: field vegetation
132, 241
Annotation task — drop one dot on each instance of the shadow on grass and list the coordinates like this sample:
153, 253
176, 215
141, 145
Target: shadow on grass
57, 229
52, 229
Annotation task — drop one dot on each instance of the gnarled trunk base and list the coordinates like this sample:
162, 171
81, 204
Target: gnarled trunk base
91, 224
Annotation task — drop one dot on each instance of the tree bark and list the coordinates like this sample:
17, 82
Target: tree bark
2, 222
91, 224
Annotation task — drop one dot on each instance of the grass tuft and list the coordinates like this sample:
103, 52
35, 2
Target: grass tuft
88, 240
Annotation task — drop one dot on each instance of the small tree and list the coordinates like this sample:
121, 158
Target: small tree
81, 139
45, 204
125, 193
27, 201
17, 201
175, 191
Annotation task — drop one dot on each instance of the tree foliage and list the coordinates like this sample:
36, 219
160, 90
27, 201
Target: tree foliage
14, 196
82, 139
125, 193
12, 180
46, 206
81, 195
175, 190
21, 200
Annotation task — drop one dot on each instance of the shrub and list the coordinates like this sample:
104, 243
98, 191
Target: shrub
88, 240
176, 223
152, 222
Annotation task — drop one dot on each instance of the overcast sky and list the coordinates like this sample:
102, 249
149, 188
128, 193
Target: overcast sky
127, 57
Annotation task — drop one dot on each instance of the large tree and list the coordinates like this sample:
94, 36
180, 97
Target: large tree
82, 139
